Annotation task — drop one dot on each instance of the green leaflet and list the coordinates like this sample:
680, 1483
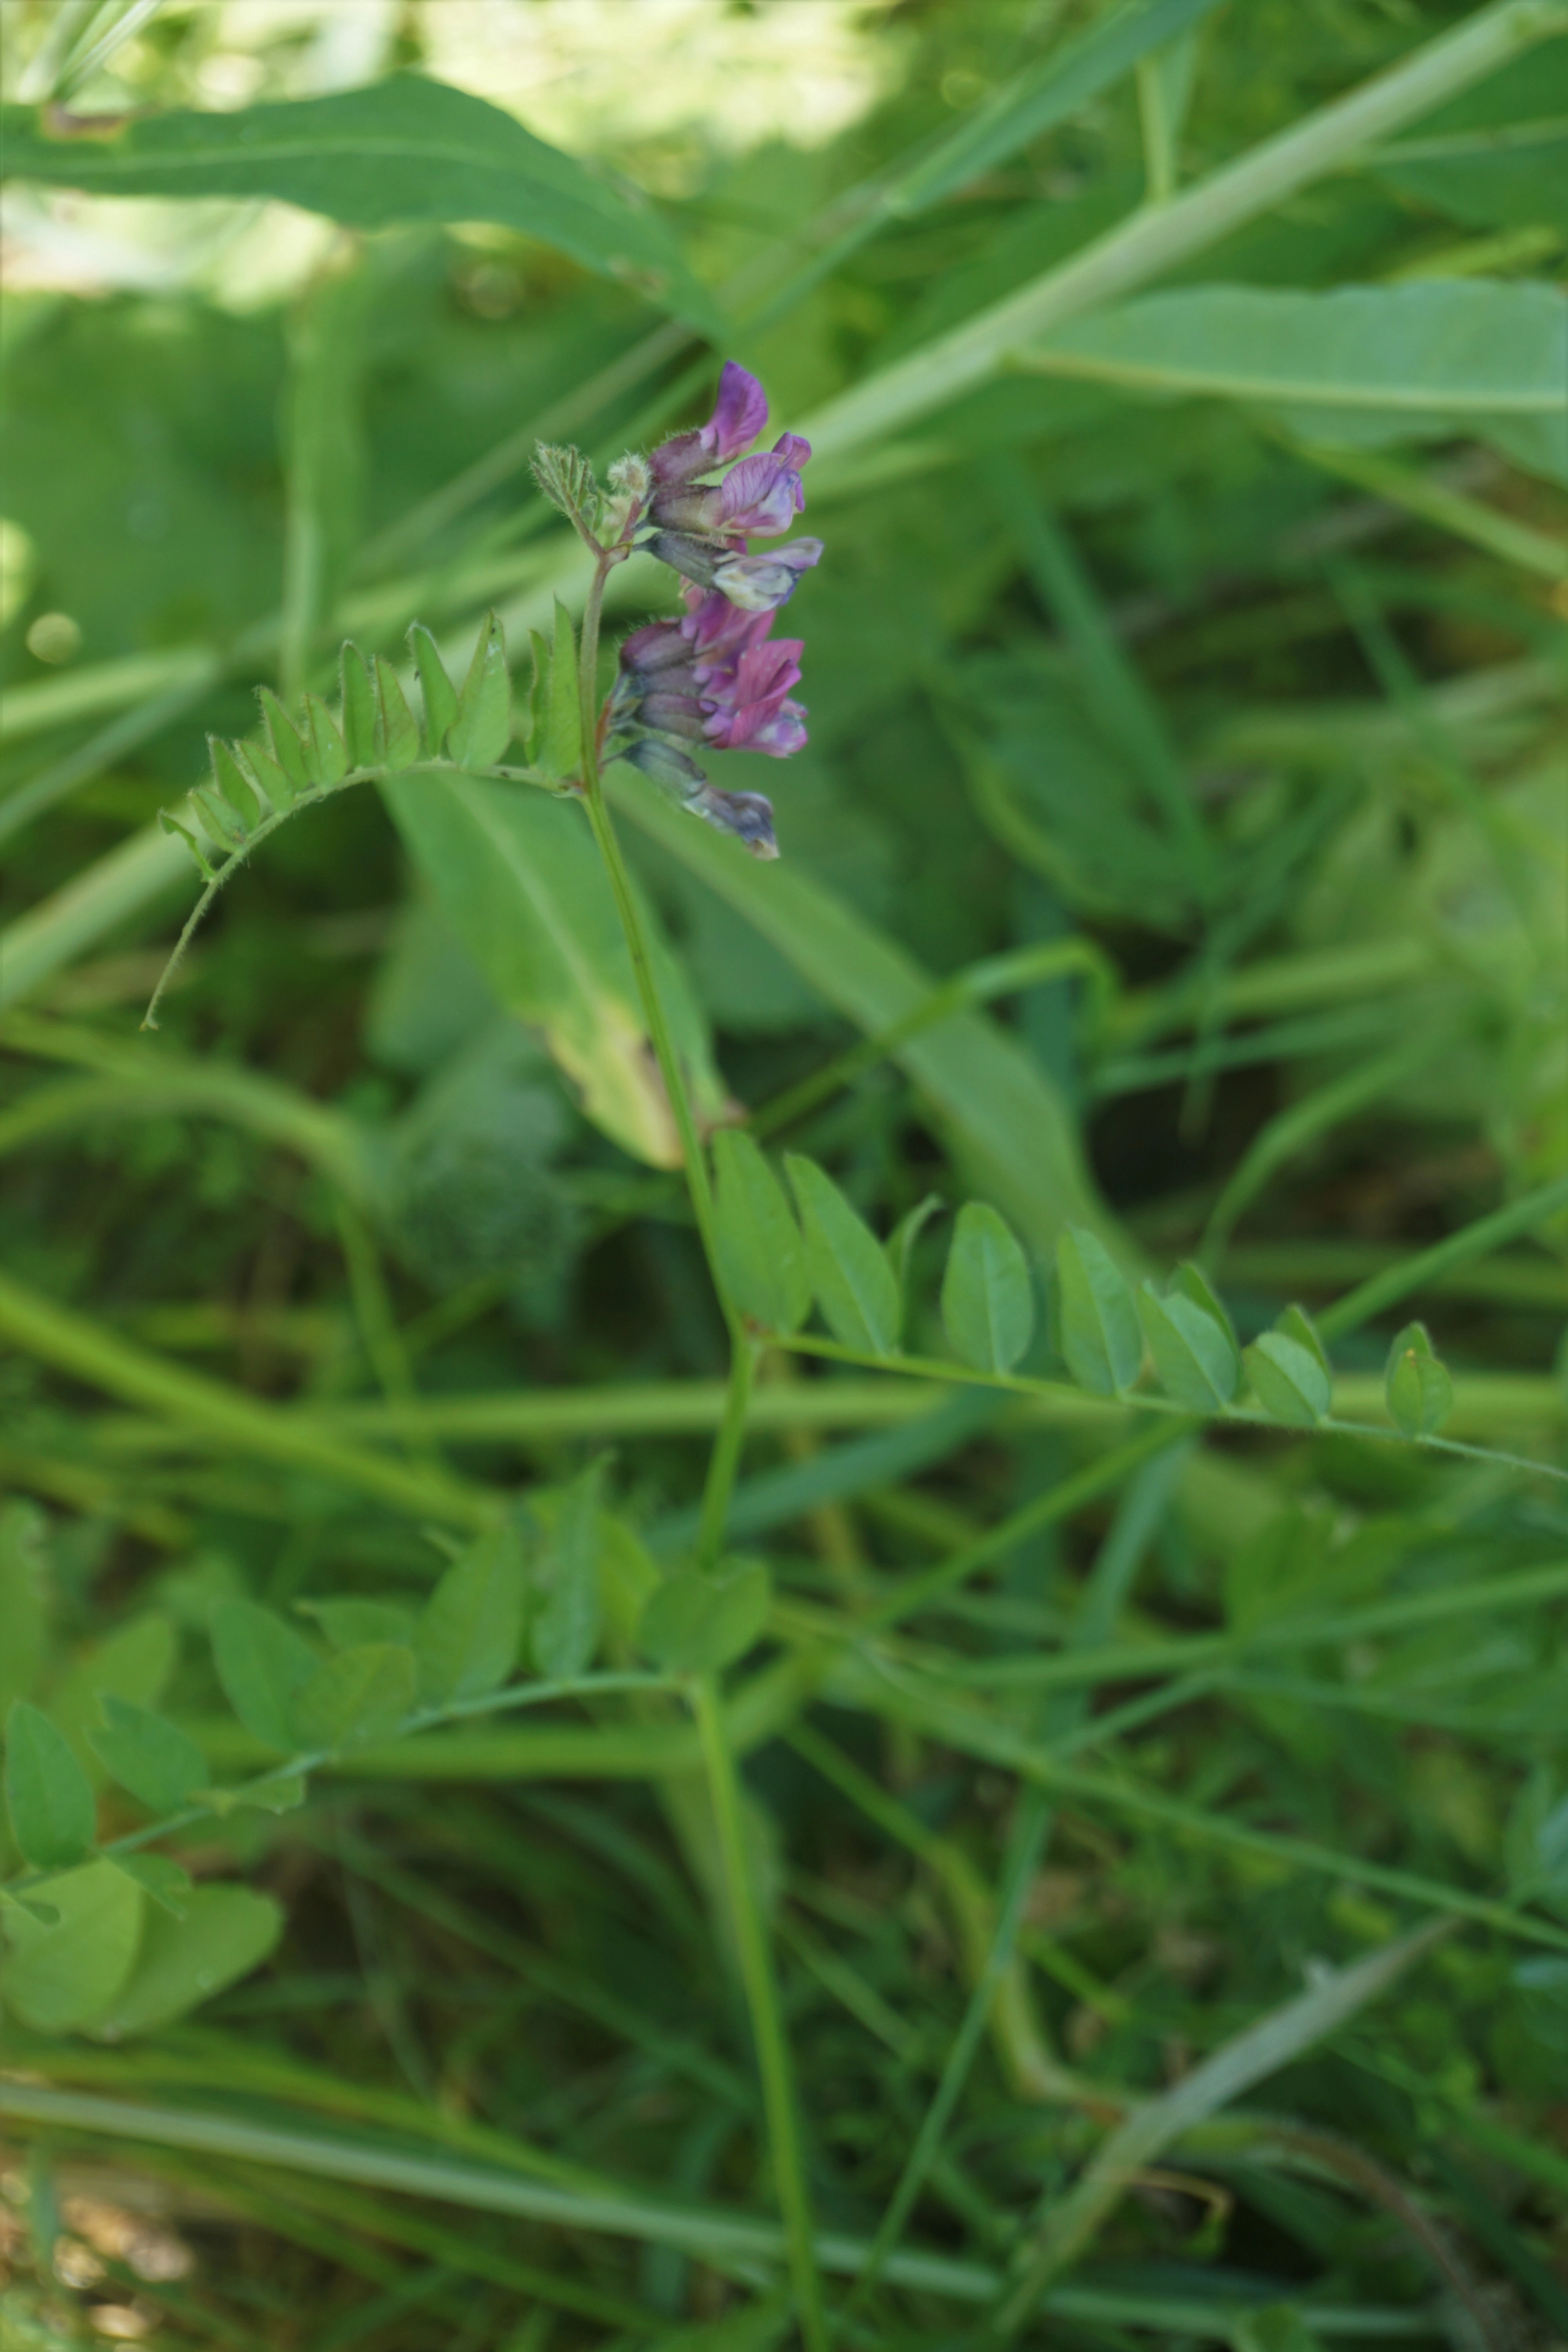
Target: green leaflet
1288, 1380
167, 1884
760, 1246
406, 149
225, 1932
1418, 1389
466, 1639
47, 1795
349, 1623
520, 879
358, 707
363, 1694
1359, 365
698, 1624
263, 1664
62, 1978
440, 696
1193, 1354
987, 1304
565, 1631
483, 728
1003, 1118
158, 1762
135, 1663
1100, 1335
854, 1286
558, 749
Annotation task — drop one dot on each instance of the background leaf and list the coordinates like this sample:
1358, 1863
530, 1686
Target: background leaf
63, 1978
468, 1634
564, 1633
1100, 1335
361, 1694
225, 1933
408, 149
147, 1754
695, 1624
760, 1243
263, 1666
47, 1795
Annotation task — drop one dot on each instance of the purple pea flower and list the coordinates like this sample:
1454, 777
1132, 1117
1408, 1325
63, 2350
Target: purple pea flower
757, 583
743, 702
739, 415
762, 495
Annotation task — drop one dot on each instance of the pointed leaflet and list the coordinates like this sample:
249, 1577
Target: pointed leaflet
274, 781
147, 1754
226, 1931
697, 1624
1194, 1356
1287, 1380
284, 738
522, 882
61, 1977
1416, 1387
1101, 1338
1193, 1283
760, 1248
262, 1664
440, 696
559, 752
565, 1631
467, 1640
363, 1694
233, 783
483, 728
906, 1233
359, 713
323, 744
396, 728
849, 1271
1296, 1323
47, 1794
987, 1304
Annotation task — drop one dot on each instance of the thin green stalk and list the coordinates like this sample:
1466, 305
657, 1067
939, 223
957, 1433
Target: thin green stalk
767, 2021
636, 945
1487, 1234
725, 1459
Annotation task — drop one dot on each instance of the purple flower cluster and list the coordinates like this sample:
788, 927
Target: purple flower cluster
714, 678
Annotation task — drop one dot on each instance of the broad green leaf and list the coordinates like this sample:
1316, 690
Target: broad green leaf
347, 1623
1287, 1380
161, 1880
1356, 366
284, 738
363, 1694
697, 1624
468, 1636
519, 879
62, 1979
226, 1931
1418, 1389
396, 728
47, 1794
359, 711
263, 1664
1099, 1336
483, 728
1497, 157
760, 1246
987, 1304
23, 1567
564, 1633
325, 748
439, 694
147, 1754
406, 149
1194, 1356
1008, 1127
849, 1272
560, 749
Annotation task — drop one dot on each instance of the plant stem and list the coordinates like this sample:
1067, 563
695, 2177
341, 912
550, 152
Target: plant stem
636, 944
726, 1456
767, 2024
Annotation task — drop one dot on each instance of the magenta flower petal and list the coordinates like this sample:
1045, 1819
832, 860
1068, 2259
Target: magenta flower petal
760, 494
739, 414
793, 451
